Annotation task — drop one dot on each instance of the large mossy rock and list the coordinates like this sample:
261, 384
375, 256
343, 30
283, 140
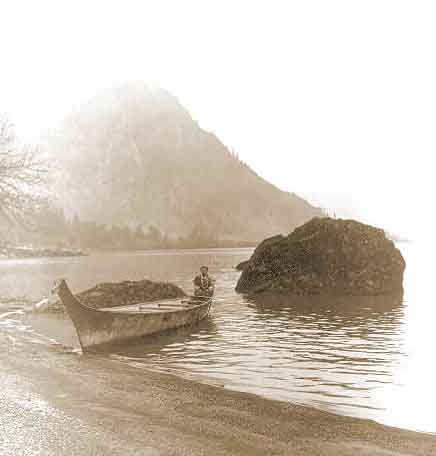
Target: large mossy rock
123, 293
326, 256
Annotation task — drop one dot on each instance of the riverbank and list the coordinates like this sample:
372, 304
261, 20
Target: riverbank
33, 252
95, 405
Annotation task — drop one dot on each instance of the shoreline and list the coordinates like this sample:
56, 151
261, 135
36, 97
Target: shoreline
14, 253
50, 253
139, 411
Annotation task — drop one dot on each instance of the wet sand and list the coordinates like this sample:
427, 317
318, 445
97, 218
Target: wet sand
70, 404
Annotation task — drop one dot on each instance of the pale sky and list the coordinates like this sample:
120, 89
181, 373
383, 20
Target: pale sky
332, 100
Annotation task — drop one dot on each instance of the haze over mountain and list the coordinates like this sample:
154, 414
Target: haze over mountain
133, 155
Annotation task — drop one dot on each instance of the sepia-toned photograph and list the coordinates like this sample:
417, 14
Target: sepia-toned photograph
217, 228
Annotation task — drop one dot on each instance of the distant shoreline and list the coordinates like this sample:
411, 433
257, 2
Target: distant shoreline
34, 252
181, 245
10, 253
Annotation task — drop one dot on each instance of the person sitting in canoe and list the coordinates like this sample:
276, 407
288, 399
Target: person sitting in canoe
204, 284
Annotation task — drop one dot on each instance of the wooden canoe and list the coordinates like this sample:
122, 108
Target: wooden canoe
99, 327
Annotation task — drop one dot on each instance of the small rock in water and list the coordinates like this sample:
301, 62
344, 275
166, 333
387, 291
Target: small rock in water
44, 305
41, 305
242, 265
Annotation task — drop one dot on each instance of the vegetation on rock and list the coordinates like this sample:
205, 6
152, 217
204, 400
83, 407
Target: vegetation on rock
326, 256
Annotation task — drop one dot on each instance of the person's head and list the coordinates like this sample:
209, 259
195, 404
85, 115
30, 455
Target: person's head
204, 270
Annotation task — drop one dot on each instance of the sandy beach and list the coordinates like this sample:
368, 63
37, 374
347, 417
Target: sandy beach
72, 404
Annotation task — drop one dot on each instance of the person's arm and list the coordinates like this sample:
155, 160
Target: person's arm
197, 284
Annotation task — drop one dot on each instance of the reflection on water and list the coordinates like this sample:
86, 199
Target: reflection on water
331, 352
362, 356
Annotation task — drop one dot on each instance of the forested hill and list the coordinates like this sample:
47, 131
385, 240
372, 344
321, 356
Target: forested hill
134, 156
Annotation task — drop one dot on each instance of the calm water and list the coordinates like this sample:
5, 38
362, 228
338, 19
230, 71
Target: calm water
366, 357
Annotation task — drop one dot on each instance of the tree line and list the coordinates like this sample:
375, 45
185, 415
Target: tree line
50, 227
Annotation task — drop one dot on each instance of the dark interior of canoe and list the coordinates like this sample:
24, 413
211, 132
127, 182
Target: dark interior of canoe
164, 305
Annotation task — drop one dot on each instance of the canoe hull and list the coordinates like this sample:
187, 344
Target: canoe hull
104, 327
118, 327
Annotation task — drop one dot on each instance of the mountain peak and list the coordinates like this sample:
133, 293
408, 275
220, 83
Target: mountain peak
133, 155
